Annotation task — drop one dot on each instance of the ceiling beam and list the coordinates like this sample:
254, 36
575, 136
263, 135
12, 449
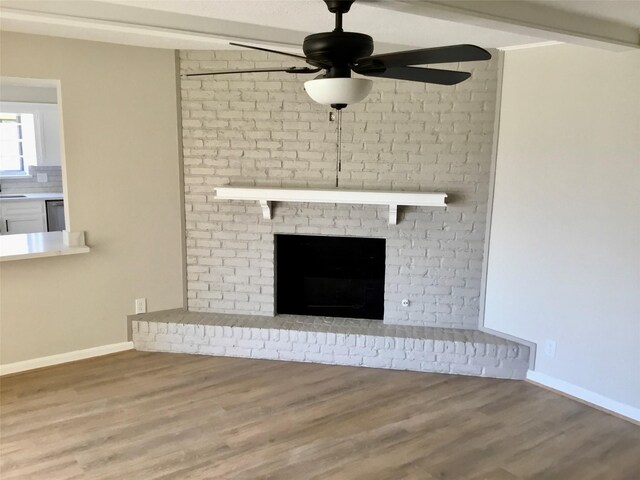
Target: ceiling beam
525, 18
140, 23
126, 24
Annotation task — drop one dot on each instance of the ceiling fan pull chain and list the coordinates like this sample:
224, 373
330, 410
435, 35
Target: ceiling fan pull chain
338, 145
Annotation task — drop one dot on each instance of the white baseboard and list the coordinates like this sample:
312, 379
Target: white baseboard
64, 358
588, 396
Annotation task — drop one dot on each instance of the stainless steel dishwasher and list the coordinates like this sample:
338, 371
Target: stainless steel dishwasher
55, 215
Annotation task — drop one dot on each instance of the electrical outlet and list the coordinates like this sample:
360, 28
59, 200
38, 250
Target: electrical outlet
405, 302
550, 348
141, 305
42, 177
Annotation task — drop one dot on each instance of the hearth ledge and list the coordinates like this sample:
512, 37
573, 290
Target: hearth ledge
335, 341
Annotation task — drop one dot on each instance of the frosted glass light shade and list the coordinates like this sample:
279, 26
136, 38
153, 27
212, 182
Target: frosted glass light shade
329, 91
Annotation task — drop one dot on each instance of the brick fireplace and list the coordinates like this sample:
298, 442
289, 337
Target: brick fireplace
262, 130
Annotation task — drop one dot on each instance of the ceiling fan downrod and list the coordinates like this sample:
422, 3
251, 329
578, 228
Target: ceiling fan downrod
338, 27
339, 7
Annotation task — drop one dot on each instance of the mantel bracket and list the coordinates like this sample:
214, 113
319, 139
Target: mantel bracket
393, 214
266, 209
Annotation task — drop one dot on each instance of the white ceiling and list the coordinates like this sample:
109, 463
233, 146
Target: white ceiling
206, 24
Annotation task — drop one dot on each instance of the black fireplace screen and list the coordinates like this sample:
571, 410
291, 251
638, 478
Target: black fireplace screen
330, 276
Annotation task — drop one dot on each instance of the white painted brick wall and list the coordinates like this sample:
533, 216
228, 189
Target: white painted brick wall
353, 349
262, 129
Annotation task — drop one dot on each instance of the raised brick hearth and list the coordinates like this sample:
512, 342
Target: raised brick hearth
337, 341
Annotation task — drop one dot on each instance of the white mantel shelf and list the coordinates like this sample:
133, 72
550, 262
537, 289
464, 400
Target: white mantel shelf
266, 196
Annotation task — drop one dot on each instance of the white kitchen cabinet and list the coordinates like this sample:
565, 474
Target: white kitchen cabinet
27, 216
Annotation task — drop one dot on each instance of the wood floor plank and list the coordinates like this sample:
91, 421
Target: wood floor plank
145, 416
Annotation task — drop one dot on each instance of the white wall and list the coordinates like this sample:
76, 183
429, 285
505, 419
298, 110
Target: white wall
564, 258
123, 186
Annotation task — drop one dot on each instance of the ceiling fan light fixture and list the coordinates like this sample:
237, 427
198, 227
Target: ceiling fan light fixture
338, 91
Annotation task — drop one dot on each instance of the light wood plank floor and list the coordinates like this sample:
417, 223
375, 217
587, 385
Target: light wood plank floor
163, 416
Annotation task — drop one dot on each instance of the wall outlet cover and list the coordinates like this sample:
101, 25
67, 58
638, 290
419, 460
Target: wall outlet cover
550, 348
42, 177
141, 305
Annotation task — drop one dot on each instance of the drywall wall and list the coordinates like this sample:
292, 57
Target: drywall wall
564, 262
119, 114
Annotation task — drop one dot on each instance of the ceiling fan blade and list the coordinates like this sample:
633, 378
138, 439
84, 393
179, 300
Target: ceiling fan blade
424, 56
416, 74
256, 70
268, 50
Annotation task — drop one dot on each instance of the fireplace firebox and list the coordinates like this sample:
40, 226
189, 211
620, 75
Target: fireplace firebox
330, 276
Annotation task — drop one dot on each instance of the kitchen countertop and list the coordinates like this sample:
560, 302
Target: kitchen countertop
9, 197
34, 245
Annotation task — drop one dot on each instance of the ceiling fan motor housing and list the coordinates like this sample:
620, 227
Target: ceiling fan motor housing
337, 51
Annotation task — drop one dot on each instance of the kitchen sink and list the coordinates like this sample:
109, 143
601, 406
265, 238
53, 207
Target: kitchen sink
8, 195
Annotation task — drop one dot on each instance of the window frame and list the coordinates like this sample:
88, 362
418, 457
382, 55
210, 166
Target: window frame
40, 111
69, 237
21, 139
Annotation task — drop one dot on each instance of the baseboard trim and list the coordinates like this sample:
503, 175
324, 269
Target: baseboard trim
624, 411
51, 360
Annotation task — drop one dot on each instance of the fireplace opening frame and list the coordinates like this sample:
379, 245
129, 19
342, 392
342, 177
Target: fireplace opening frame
332, 276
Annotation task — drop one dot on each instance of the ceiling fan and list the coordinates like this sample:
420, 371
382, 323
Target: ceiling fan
340, 53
